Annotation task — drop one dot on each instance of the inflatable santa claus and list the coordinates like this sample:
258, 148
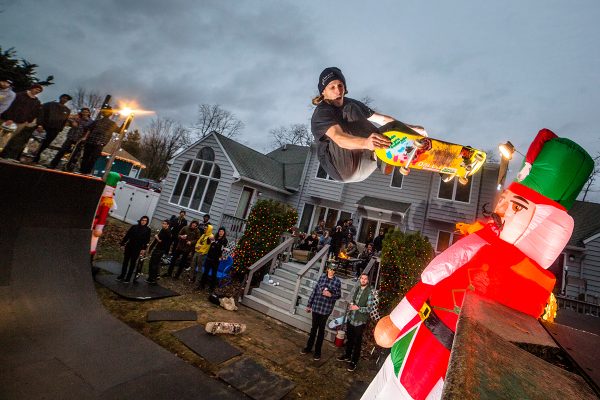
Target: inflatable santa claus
505, 261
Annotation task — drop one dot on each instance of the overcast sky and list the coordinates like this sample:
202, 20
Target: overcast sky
471, 72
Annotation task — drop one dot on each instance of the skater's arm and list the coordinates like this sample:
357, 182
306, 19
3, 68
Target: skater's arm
350, 142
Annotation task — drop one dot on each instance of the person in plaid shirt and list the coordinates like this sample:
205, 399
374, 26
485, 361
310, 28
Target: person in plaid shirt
321, 302
358, 316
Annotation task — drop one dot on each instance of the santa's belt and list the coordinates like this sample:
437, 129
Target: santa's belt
442, 333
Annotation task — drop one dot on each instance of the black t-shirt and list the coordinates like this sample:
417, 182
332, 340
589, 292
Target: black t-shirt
352, 118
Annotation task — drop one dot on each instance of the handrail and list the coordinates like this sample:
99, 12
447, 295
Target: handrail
367, 271
321, 255
270, 256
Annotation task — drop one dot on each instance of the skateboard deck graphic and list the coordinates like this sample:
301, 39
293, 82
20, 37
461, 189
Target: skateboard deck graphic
409, 150
233, 328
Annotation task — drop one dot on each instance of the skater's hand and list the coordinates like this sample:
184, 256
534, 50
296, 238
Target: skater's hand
377, 141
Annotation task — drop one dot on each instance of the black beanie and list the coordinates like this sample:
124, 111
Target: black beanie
328, 75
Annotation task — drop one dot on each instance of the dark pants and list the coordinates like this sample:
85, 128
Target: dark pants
317, 331
354, 341
65, 148
51, 134
185, 255
91, 152
130, 257
211, 267
154, 264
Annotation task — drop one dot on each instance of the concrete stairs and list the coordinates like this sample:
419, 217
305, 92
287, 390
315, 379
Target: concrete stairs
276, 301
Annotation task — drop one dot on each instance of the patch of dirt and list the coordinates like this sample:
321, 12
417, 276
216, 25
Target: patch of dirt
269, 342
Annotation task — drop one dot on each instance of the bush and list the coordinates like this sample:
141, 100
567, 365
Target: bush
267, 221
403, 258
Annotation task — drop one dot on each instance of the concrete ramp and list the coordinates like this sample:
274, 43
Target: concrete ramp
57, 340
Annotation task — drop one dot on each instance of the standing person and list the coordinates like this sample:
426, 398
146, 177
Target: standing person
215, 252
6, 94
176, 225
204, 223
53, 119
188, 236
79, 128
344, 132
160, 243
320, 303
337, 239
358, 316
100, 134
201, 250
135, 241
24, 112
351, 229
378, 242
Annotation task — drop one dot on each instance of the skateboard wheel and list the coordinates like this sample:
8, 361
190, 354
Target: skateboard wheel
469, 167
447, 177
403, 170
463, 180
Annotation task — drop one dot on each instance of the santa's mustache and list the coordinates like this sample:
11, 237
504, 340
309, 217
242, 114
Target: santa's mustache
497, 221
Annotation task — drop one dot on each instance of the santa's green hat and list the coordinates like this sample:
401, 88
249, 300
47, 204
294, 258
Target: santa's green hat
555, 168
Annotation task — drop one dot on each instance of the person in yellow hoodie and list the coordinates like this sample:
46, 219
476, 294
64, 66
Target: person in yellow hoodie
201, 250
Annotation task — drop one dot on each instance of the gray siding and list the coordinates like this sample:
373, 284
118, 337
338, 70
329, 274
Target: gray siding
450, 210
591, 269
488, 190
164, 208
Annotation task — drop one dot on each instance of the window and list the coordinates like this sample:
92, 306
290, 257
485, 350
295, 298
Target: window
369, 229
321, 174
454, 190
197, 182
330, 215
445, 239
307, 213
396, 181
244, 203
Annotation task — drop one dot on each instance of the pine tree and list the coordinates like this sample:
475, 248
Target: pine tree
20, 72
267, 221
403, 258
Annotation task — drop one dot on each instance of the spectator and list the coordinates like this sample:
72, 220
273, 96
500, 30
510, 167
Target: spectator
23, 111
320, 228
358, 316
160, 243
310, 243
365, 256
201, 250
187, 238
176, 225
100, 133
351, 248
351, 229
378, 242
135, 241
6, 94
204, 223
53, 119
213, 257
337, 239
79, 127
320, 303
324, 240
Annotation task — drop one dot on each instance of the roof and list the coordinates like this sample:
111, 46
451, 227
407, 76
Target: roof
122, 154
587, 221
383, 204
281, 168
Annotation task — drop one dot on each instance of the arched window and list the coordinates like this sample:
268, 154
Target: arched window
197, 182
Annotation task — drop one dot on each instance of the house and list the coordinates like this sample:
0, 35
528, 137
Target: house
224, 178
124, 163
578, 268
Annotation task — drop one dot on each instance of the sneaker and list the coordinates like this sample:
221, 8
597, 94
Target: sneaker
343, 357
304, 351
119, 279
351, 367
317, 357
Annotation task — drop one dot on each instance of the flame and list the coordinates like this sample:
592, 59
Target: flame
131, 107
343, 255
551, 309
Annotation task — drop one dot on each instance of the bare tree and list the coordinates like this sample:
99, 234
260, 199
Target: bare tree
87, 98
590, 182
161, 140
293, 134
492, 155
211, 117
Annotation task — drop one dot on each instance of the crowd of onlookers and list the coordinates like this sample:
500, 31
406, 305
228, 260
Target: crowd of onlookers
29, 127
342, 244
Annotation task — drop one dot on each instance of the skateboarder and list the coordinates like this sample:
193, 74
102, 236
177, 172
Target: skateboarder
344, 131
135, 242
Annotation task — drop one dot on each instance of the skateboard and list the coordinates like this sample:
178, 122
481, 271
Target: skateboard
232, 328
6, 132
413, 151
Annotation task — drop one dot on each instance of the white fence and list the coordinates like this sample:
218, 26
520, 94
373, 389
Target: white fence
133, 202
